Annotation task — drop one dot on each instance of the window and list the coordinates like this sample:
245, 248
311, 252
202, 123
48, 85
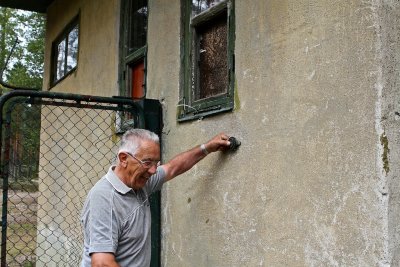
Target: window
133, 48
207, 85
65, 52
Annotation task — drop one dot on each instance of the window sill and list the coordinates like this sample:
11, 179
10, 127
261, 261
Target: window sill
201, 114
53, 84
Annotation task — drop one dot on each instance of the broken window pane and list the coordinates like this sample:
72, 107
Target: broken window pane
199, 6
137, 25
213, 61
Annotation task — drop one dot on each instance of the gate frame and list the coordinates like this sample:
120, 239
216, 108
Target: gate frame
147, 114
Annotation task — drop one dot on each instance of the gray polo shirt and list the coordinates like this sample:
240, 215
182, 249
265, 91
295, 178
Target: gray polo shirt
117, 219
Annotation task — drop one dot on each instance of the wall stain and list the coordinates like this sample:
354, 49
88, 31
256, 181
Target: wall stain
385, 153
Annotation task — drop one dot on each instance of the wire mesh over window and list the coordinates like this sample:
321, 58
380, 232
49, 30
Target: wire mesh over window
213, 63
53, 153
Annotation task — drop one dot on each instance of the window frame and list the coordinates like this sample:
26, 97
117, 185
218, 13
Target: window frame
188, 107
125, 58
75, 22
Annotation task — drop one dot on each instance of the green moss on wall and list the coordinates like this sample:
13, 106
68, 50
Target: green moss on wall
236, 98
385, 153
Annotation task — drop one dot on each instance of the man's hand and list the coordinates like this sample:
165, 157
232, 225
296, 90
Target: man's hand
218, 143
186, 160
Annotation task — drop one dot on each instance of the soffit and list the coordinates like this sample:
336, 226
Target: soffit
30, 5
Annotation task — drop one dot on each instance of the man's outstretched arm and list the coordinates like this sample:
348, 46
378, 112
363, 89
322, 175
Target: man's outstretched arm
186, 160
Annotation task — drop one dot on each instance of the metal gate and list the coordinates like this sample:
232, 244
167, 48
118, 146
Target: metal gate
54, 147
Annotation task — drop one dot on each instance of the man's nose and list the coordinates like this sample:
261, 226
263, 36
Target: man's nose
152, 170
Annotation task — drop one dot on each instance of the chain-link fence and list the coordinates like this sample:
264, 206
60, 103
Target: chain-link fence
53, 151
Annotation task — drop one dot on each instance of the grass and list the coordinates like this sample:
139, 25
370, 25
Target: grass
21, 229
21, 244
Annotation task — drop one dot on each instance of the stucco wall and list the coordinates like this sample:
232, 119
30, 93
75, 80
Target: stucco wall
97, 69
315, 181
389, 17
308, 186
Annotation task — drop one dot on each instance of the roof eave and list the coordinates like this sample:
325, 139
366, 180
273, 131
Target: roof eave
29, 5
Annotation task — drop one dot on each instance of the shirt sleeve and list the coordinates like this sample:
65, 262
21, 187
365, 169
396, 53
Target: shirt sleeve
103, 228
156, 181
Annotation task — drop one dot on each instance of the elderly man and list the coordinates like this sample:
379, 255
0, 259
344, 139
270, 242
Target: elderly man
116, 216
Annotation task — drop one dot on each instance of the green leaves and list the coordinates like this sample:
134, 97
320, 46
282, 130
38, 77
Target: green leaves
24, 67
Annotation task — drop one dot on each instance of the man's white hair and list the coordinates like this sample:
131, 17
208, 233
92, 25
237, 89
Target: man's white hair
131, 140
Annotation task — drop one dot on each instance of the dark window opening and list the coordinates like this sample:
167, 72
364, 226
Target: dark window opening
137, 25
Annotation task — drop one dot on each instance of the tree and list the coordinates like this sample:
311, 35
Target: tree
5, 28
22, 33
20, 75
25, 32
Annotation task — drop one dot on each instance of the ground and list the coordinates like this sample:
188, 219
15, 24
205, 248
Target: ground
21, 230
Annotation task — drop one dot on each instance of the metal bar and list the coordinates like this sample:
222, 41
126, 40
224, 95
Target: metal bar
66, 96
74, 105
5, 159
136, 109
5, 173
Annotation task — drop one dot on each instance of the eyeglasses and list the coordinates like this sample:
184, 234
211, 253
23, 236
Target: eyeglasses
147, 164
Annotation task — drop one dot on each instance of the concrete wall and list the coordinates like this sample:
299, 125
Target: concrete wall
315, 182
308, 185
388, 86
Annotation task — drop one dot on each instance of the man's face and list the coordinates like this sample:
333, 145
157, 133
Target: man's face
136, 173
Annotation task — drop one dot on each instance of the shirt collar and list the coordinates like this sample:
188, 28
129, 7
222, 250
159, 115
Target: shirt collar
114, 180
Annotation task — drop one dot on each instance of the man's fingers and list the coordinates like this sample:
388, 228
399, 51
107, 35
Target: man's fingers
224, 136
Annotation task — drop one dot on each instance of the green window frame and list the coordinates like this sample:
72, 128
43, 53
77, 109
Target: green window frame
207, 81
64, 52
133, 42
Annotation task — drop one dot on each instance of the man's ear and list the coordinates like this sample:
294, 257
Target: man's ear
122, 158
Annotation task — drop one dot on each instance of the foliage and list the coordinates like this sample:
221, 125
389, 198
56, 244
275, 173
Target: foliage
22, 33
25, 32
20, 75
